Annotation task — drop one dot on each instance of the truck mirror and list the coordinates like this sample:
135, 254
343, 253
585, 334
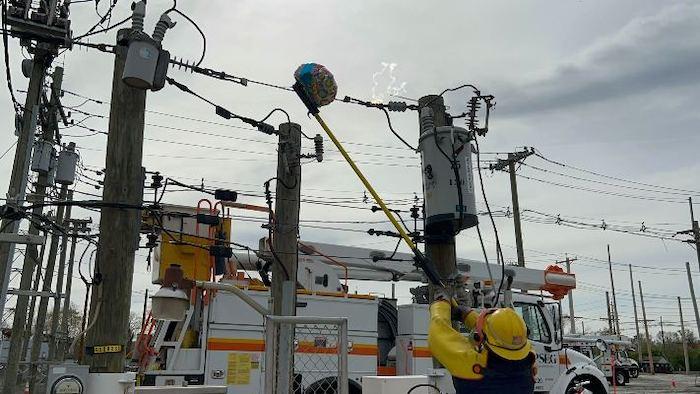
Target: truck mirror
601, 345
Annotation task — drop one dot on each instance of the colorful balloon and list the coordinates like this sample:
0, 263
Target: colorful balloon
318, 83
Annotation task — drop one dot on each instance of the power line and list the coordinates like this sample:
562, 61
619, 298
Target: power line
558, 163
605, 192
603, 182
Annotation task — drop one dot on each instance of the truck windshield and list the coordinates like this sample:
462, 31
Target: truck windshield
537, 327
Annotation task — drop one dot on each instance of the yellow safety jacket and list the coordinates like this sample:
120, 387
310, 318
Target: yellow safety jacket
452, 349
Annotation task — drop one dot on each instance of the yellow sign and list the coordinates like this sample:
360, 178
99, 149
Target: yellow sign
238, 369
107, 349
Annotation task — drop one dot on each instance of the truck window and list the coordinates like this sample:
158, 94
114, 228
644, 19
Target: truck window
537, 328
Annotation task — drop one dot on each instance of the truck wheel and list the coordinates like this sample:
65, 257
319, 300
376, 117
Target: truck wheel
619, 378
634, 373
593, 385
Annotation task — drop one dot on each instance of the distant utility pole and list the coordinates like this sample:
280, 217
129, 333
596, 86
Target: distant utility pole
612, 286
32, 304
692, 295
572, 317
607, 304
663, 335
695, 230
636, 318
55, 315
684, 338
285, 246
30, 256
119, 227
646, 329
501, 164
20, 168
78, 226
38, 338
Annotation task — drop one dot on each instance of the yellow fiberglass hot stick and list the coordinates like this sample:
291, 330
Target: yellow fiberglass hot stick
316, 86
429, 271
368, 185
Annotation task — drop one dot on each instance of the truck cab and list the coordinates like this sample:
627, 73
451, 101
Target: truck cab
611, 359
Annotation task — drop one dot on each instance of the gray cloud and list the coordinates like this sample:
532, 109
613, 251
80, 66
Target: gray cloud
647, 56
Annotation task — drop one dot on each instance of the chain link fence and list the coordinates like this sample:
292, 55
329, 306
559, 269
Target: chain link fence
320, 351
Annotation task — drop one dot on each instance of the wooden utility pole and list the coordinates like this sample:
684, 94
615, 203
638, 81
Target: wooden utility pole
607, 304
38, 337
285, 247
614, 298
55, 316
684, 339
20, 168
79, 225
692, 295
695, 230
513, 159
663, 336
440, 251
646, 329
32, 303
636, 318
62, 337
572, 317
30, 255
119, 227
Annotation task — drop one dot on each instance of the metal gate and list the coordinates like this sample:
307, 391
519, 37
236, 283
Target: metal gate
320, 355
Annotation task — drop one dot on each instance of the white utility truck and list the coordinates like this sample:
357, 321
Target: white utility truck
605, 357
221, 341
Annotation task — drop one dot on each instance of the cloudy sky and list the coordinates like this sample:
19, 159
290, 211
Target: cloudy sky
608, 88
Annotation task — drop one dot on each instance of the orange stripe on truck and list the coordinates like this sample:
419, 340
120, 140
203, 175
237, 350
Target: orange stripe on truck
258, 345
242, 345
421, 352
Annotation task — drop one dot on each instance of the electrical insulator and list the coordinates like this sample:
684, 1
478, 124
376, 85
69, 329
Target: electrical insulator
318, 145
67, 162
473, 113
397, 106
138, 14
447, 178
162, 26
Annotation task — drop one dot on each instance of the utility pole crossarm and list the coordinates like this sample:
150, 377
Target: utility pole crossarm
514, 157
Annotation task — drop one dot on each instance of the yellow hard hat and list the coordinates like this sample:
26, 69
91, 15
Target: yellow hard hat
505, 334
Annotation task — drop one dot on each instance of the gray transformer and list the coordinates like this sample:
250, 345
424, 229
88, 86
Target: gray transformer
450, 204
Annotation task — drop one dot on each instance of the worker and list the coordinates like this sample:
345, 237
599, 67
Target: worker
497, 358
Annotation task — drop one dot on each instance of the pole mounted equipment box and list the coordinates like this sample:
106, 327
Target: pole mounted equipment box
448, 182
67, 162
43, 155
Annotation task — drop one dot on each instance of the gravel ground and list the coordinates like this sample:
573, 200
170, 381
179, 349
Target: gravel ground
662, 383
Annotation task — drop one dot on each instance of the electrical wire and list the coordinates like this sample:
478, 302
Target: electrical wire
391, 127
196, 26
561, 164
604, 192
8, 149
6, 52
499, 252
682, 193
